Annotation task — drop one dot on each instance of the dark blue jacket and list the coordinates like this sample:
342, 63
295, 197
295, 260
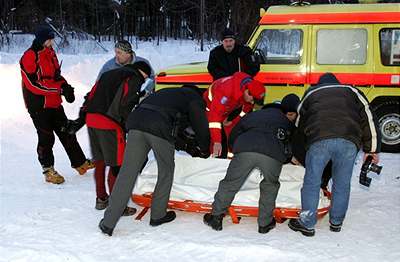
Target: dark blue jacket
261, 132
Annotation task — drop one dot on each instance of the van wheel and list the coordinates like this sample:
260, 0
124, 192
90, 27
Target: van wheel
388, 114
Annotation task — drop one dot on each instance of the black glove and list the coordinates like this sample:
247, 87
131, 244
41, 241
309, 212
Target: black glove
195, 151
204, 153
68, 92
72, 126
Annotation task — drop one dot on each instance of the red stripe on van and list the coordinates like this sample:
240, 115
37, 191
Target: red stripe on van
361, 79
290, 78
191, 78
282, 77
333, 18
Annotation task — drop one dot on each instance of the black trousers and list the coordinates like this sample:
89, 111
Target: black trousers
50, 121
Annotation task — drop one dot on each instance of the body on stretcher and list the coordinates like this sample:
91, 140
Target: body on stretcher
196, 181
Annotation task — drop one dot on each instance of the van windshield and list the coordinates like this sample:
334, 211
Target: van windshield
280, 46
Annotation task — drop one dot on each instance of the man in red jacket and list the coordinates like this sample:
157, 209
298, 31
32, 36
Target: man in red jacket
42, 86
226, 95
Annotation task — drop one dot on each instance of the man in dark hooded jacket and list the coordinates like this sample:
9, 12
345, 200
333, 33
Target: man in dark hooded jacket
153, 126
260, 140
107, 107
336, 121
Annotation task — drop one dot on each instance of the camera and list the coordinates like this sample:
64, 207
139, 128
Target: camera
366, 167
282, 134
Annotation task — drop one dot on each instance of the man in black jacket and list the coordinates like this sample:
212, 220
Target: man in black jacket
229, 57
260, 140
337, 121
107, 108
153, 126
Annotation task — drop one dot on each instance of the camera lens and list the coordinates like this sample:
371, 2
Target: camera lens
375, 168
281, 134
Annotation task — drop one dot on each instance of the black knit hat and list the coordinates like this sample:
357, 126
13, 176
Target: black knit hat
227, 33
143, 66
328, 78
43, 33
124, 45
290, 103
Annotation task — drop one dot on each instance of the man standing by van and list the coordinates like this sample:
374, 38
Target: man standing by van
229, 57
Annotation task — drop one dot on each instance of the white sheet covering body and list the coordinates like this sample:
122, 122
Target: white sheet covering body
197, 179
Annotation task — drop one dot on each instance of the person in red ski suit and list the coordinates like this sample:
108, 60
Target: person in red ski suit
225, 96
42, 86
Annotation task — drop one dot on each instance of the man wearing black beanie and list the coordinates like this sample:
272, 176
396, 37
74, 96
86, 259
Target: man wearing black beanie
230, 57
43, 85
144, 67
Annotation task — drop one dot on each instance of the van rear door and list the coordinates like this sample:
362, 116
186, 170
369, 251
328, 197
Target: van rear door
345, 50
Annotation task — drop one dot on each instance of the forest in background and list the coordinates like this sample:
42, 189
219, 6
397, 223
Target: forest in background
148, 20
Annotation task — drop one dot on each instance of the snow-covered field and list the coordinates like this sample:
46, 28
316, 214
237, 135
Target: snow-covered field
44, 222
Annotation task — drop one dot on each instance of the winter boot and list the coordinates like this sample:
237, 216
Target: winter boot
101, 203
267, 228
106, 230
52, 176
129, 211
294, 224
170, 216
88, 164
335, 228
214, 221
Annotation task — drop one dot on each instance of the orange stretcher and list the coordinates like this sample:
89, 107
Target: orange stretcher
235, 212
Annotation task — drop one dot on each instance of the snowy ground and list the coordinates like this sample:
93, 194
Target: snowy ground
43, 222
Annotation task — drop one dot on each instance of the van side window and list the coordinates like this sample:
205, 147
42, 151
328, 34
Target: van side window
390, 46
342, 46
280, 46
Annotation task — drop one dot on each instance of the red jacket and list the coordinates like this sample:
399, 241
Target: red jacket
41, 78
222, 97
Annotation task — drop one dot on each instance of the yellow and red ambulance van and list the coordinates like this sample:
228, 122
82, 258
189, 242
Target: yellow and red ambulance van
359, 43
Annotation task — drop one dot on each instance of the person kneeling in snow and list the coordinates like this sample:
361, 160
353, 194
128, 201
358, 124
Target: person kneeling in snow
260, 140
42, 86
152, 126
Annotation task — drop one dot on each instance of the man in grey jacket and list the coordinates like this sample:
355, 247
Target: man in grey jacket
125, 55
